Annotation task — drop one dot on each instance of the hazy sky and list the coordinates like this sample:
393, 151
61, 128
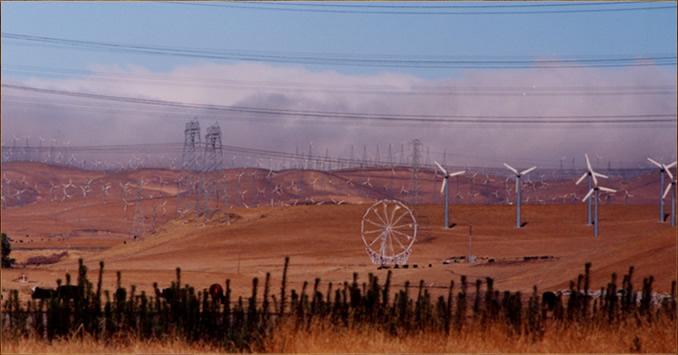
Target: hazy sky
524, 82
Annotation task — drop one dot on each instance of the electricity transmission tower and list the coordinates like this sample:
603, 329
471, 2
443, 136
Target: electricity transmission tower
416, 161
138, 225
190, 163
424, 227
213, 161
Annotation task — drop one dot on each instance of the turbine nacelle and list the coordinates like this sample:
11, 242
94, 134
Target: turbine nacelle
661, 166
601, 188
447, 175
519, 174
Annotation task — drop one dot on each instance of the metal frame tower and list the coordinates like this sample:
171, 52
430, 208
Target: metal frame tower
190, 163
138, 225
416, 160
213, 161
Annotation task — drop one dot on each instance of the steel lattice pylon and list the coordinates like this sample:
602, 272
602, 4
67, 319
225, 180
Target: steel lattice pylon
187, 193
213, 162
138, 224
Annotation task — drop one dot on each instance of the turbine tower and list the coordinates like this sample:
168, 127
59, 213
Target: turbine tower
662, 169
594, 191
518, 175
446, 187
589, 173
671, 187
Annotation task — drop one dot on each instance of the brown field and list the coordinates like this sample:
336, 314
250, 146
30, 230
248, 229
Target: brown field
324, 240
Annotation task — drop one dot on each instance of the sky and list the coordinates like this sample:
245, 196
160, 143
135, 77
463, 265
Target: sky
528, 83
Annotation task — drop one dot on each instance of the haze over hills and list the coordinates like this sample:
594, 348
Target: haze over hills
253, 186
314, 217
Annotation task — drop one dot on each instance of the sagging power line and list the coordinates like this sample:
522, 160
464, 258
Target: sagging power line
376, 117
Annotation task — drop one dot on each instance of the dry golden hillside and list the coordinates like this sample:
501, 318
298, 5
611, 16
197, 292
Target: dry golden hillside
322, 240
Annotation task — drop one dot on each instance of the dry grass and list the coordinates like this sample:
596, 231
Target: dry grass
655, 338
89, 345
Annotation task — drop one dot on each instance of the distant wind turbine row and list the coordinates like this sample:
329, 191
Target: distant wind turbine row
592, 196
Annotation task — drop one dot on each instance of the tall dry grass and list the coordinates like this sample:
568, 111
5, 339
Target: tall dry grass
89, 345
655, 338
320, 337
358, 319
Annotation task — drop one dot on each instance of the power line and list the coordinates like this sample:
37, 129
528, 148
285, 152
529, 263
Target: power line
448, 5
378, 117
357, 60
432, 9
350, 89
260, 153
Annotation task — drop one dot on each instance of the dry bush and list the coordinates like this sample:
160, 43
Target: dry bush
44, 260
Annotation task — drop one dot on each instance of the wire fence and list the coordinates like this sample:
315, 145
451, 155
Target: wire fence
246, 324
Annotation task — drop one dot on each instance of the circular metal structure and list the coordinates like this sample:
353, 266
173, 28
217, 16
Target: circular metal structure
388, 229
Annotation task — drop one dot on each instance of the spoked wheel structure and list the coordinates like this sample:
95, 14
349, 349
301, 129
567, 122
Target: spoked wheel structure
389, 229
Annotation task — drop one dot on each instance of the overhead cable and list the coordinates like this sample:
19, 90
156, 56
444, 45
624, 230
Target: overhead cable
383, 117
356, 60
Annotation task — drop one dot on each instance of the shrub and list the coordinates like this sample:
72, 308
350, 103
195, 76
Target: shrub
7, 262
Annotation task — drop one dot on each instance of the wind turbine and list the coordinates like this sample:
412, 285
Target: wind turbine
518, 175
594, 191
662, 169
671, 187
592, 177
66, 186
446, 187
104, 190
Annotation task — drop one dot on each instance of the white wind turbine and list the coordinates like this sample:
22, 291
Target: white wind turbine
164, 208
662, 170
446, 187
104, 190
51, 191
66, 186
592, 176
518, 198
671, 187
594, 191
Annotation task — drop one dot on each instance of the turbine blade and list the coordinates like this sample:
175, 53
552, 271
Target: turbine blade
654, 162
588, 162
667, 170
524, 172
666, 192
440, 167
607, 189
671, 165
600, 175
442, 186
457, 173
593, 175
587, 195
511, 168
581, 178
